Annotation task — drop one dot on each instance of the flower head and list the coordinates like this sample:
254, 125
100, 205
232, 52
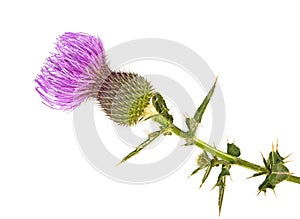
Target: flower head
125, 97
77, 71
74, 72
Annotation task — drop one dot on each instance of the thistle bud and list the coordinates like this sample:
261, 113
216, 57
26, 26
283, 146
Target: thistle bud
126, 97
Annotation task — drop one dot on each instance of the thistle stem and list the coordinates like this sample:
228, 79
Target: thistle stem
237, 161
218, 153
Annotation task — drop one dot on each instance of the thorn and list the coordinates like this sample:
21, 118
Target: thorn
260, 192
288, 157
186, 115
147, 132
121, 162
274, 193
262, 155
288, 161
277, 144
213, 187
141, 119
272, 147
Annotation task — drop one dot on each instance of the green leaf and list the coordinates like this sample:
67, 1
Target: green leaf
279, 174
161, 106
202, 161
191, 123
206, 174
200, 111
265, 162
224, 172
151, 137
265, 185
221, 183
257, 174
277, 171
221, 193
233, 150
195, 171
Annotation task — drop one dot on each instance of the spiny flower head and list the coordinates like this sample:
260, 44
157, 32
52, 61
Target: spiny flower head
77, 71
74, 72
125, 97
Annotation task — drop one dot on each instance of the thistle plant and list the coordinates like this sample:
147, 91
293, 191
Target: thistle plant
78, 70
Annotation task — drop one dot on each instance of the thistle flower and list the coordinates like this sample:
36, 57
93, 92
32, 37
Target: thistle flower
74, 72
126, 97
78, 71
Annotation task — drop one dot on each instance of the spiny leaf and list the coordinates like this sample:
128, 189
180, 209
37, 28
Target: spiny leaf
200, 111
195, 171
151, 137
279, 174
277, 171
202, 161
161, 106
221, 193
206, 174
233, 150
265, 161
224, 172
191, 123
265, 185
257, 174
221, 183
213, 163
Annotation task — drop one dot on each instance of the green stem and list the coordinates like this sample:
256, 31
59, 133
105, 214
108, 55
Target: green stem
215, 152
237, 161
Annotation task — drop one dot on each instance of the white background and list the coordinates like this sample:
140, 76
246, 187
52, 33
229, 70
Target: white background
254, 46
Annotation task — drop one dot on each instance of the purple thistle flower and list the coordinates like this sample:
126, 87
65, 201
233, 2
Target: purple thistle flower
74, 72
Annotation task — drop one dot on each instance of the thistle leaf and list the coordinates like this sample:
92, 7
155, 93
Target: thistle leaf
191, 123
151, 138
224, 172
257, 174
161, 107
221, 193
206, 174
221, 183
279, 174
202, 161
277, 171
265, 161
200, 111
265, 185
195, 171
233, 150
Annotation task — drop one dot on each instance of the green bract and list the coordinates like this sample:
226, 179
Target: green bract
124, 97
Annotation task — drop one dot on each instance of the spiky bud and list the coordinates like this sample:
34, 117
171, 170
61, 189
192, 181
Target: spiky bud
125, 97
